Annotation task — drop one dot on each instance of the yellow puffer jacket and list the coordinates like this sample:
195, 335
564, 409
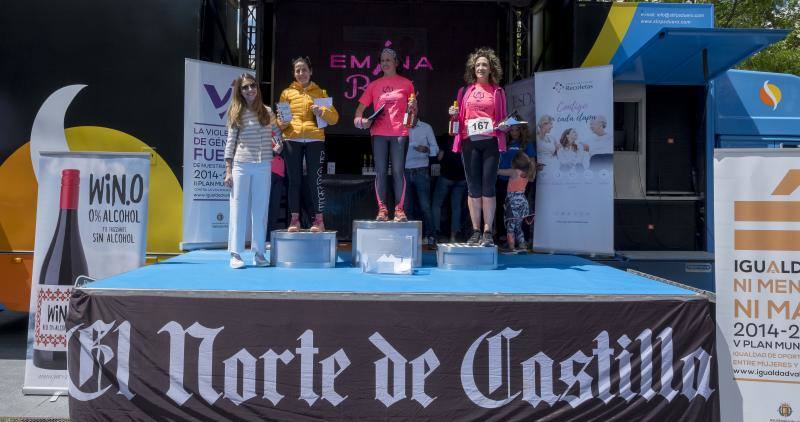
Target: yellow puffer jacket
304, 122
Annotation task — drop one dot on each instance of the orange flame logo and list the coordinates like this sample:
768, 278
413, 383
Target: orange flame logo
770, 95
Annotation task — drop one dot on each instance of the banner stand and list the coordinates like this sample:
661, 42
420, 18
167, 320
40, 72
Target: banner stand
575, 145
91, 223
207, 94
757, 262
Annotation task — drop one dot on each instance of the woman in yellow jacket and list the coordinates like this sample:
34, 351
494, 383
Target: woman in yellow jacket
304, 138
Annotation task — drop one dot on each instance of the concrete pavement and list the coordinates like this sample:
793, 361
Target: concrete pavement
13, 404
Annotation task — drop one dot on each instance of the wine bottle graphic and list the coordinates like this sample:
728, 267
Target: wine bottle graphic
62, 265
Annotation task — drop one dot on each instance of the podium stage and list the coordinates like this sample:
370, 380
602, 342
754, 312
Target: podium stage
542, 336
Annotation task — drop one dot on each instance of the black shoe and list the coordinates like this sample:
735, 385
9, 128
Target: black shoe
475, 239
487, 239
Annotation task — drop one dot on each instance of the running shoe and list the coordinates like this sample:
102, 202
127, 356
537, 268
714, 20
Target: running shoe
260, 261
318, 225
236, 261
475, 239
383, 215
400, 216
487, 239
294, 224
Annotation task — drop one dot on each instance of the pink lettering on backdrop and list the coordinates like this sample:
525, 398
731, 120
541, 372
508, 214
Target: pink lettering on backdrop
338, 61
354, 63
356, 82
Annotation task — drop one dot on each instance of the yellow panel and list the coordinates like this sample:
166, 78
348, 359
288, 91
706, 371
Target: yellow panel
18, 201
617, 22
15, 285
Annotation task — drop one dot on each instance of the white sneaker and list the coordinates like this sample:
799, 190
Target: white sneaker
236, 261
260, 261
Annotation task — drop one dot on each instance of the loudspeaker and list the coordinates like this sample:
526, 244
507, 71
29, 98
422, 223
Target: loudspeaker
642, 225
674, 120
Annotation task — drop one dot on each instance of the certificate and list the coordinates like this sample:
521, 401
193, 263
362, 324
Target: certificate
326, 102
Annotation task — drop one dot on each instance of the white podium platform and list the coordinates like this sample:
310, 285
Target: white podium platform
303, 249
376, 238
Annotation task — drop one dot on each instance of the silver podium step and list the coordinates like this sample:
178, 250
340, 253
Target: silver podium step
303, 249
461, 256
387, 238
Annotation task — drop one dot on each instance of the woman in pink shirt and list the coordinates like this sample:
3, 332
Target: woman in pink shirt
389, 134
481, 138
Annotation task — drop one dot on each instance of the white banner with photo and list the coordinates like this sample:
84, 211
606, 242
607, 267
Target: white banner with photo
207, 94
575, 144
757, 271
91, 223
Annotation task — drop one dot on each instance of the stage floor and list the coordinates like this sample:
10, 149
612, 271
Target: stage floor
520, 276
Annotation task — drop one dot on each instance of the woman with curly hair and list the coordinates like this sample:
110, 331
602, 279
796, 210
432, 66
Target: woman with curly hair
248, 162
481, 108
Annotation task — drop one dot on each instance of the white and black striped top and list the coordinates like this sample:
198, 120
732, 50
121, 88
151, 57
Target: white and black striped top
250, 144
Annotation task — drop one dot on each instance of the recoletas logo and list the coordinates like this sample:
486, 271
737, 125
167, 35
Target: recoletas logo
770, 95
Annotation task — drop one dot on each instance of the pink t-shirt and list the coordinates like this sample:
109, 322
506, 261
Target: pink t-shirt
393, 91
517, 183
479, 104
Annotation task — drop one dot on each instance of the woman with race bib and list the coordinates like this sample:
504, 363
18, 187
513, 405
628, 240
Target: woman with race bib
389, 135
481, 110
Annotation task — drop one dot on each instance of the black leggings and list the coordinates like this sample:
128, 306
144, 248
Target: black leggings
382, 148
315, 157
480, 160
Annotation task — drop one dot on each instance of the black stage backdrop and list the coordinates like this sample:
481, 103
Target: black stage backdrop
255, 358
129, 54
344, 39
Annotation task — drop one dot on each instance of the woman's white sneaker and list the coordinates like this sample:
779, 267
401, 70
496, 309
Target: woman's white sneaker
236, 261
260, 261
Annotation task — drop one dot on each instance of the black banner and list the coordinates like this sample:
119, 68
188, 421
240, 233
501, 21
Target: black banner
256, 358
344, 39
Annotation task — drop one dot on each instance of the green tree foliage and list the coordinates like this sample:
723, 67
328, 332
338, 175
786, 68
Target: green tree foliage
782, 57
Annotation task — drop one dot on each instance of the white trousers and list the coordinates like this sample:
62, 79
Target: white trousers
250, 192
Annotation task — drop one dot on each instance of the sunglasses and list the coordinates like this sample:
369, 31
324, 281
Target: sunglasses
249, 87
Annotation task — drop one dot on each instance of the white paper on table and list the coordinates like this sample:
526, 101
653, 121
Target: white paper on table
326, 102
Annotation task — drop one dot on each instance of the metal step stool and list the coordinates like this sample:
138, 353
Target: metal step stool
461, 256
303, 249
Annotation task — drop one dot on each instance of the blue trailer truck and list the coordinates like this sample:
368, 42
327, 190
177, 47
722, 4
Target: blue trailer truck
677, 98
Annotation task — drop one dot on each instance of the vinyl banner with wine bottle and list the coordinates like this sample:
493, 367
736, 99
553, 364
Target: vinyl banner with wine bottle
91, 223
575, 145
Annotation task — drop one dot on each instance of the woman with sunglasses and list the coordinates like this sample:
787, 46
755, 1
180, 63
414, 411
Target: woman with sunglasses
248, 158
389, 135
304, 138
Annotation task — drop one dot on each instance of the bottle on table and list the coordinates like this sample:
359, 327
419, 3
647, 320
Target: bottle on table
452, 128
409, 119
